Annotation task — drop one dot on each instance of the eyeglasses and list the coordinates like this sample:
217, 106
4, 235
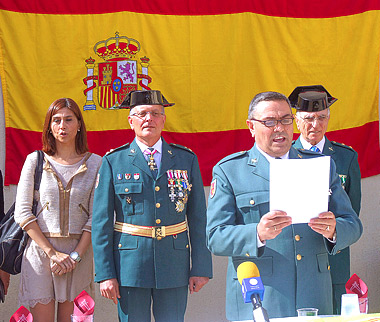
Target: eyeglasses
311, 120
273, 123
143, 114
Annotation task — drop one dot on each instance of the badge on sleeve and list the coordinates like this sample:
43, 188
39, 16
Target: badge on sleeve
213, 188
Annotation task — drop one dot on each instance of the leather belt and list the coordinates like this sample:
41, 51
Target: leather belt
157, 232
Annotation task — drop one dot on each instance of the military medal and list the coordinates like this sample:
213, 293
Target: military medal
172, 193
179, 186
119, 176
343, 179
127, 176
136, 176
151, 163
172, 196
179, 206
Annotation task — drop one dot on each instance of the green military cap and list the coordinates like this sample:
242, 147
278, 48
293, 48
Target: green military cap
312, 98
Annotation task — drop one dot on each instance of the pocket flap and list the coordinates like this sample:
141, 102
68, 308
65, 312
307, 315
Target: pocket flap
323, 263
252, 198
128, 188
126, 241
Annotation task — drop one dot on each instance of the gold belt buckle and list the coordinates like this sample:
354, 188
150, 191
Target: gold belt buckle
158, 232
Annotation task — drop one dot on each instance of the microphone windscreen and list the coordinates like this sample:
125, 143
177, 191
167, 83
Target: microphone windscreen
247, 270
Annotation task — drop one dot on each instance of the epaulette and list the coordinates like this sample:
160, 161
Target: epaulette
118, 148
181, 147
342, 145
233, 156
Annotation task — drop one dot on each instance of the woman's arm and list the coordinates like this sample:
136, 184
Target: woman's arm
61, 262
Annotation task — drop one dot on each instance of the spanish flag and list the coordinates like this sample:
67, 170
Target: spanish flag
209, 57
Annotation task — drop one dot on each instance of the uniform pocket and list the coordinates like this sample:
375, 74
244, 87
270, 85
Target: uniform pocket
180, 241
323, 263
131, 197
126, 241
251, 205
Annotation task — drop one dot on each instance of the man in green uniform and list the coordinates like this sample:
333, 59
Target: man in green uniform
313, 113
149, 220
292, 258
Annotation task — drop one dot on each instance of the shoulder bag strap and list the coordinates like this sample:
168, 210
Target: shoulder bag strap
37, 177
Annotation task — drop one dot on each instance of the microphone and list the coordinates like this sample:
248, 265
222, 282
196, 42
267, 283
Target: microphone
252, 288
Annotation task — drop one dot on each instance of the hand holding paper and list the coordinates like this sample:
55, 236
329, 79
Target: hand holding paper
324, 224
272, 223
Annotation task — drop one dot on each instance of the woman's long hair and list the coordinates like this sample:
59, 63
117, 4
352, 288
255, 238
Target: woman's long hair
48, 140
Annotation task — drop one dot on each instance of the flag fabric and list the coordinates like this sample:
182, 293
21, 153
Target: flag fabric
209, 57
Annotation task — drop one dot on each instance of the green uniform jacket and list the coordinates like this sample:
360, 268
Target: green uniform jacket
294, 266
126, 187
347, 167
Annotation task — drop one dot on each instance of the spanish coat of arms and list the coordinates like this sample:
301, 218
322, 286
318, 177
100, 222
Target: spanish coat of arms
118, 74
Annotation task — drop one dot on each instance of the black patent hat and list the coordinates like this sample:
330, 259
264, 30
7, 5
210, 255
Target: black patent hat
312, 98
151, 97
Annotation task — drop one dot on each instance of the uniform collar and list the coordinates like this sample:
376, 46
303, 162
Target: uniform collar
270, 158
143, 147
306, 145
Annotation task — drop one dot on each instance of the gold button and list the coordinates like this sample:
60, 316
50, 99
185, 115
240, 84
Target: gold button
338, 252
187, 246
328, 267
297, 237
158, 221
299, 257
247, 254
119, 245
252, 202
159, 238
157, 188
126, 190
158, 205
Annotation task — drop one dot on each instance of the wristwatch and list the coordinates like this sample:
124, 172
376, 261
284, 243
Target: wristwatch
75, 257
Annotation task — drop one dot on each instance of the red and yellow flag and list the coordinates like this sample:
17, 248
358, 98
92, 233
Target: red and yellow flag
209, 57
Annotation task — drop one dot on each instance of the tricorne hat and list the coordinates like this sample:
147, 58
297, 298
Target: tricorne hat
312, 98
151, 97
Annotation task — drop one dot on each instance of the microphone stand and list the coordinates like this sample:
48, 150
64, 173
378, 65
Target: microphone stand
259, 313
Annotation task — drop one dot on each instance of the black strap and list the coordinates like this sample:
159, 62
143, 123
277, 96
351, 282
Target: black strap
38, 170
37, 177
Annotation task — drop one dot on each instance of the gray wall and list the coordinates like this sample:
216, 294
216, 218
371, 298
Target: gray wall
208, 304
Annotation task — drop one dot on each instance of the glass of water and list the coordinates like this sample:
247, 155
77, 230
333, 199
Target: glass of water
350, 305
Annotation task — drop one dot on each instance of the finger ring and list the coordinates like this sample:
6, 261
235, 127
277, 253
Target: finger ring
328, 228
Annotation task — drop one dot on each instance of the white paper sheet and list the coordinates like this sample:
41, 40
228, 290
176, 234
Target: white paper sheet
300, 187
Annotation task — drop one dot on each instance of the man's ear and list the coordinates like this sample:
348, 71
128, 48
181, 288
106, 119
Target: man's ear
297, 121
251, 126
130, 122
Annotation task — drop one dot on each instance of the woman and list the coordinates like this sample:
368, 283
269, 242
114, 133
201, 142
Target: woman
58, 261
